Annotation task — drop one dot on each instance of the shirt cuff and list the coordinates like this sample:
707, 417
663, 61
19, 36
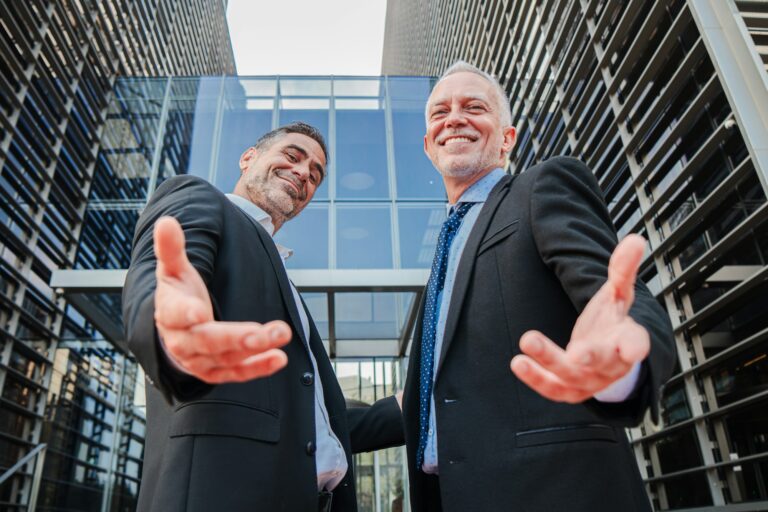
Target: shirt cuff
176, 366
621, 389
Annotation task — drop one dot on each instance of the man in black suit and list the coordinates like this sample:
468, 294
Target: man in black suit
527, 270
212, 325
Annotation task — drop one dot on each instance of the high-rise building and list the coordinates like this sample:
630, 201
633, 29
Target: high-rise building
667, 101
71, 421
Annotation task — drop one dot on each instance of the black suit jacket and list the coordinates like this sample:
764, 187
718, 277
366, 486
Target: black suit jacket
236, 447
537, 254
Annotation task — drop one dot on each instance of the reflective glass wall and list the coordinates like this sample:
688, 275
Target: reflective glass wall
380, 206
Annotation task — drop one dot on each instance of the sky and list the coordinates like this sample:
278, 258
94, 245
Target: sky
302, 37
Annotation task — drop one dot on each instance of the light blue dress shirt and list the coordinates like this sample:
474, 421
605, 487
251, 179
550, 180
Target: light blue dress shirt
478, 194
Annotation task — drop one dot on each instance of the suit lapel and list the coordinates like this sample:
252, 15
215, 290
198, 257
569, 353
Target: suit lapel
282, 278
467, 263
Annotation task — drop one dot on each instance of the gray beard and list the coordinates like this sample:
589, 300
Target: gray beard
461, 170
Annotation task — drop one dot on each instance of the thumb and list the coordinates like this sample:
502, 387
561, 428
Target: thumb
169, 247
623, 267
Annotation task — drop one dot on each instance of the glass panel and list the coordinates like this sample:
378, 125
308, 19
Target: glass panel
242, 125
371, 315
251, 86
317, 304
686, 491
678, 451
363, 237
361, 155
742, 376
128, 140
307, 235
305, 87
188, 139
357, 87
416, 177
419, 228
317, 117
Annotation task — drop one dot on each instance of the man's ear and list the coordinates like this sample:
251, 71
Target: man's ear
510, 137
246, 158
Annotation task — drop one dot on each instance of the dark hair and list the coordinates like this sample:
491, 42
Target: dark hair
267, 139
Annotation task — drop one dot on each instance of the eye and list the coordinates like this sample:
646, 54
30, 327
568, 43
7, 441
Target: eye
438, 113
292, 157
314, 178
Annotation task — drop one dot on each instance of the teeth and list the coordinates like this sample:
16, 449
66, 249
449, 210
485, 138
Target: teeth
457, 139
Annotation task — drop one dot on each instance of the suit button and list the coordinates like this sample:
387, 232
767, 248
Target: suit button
311, 448
307, 379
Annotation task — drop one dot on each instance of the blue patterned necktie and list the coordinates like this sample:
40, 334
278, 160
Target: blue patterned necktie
429, 327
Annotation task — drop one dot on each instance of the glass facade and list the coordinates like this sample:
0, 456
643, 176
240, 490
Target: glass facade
645, 93
71, 401
380, 207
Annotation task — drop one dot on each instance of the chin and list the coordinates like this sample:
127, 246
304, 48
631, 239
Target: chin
458, 168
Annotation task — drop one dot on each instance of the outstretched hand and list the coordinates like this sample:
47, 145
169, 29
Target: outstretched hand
605, 343
213, 351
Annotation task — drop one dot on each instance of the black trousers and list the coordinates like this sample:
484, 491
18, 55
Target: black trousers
432, 499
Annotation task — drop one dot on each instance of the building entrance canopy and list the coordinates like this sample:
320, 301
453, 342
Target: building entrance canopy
359, 313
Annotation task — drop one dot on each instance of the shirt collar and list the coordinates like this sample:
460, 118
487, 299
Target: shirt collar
481, 189
262, 218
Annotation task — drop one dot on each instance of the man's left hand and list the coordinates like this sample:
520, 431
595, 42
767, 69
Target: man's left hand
605, 343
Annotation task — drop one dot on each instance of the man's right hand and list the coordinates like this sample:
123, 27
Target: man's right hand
214, 352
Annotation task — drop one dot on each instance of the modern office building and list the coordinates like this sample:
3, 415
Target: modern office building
667, 101
71, 421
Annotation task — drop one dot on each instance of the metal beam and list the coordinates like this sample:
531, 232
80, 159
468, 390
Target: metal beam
740, 71
387, 280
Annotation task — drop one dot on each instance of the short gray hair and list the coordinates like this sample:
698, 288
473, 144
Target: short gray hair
502, 100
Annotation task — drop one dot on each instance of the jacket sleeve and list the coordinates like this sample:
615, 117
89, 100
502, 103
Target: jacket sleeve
575, 238
376, 427
196, 205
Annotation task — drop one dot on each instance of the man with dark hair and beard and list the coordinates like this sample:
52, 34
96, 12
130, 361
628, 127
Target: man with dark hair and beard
244, 411
527, 273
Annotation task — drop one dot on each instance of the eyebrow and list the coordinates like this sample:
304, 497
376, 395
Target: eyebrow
315, 165
469, 97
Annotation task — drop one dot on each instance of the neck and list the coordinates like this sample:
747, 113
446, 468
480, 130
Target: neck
456, 186
242, 191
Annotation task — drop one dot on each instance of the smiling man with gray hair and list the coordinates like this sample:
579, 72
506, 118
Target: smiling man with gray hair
536, 345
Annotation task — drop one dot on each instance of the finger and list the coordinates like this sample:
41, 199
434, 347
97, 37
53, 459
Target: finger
601, 357
623, 267
551, 357
175, 309
210, 338
177, 343
545, 383
260, 365
635, 343
169, 248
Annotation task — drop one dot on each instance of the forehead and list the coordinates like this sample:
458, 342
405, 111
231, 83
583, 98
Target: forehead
305, 142
462, 85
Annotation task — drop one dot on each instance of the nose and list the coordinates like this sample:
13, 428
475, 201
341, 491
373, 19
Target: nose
454, 118
301, 171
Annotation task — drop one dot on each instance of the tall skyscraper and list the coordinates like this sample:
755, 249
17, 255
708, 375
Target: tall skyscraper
667, 101
71, 422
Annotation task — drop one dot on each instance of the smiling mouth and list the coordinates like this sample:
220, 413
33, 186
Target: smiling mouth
456, 139
293, 185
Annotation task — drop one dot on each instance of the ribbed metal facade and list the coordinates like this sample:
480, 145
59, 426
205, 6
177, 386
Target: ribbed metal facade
61, 383
667, 101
